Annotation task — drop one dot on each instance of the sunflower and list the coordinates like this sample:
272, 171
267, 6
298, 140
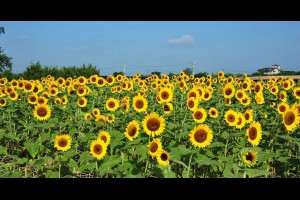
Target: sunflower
28, 86
104, 135
245, 101
81, 91
53, 91
60, 81
165, 94
57, 100
274, 89
194, 93
286, 85
3, 102
98, 149
42, 111
64, 100
192, 103
201, 136
63, 142
125, 104
13, 95
199, 115
207, 94
101, 82
213, 112
154, 147
110, 80
221, 74
101, 118
259, 98
246, 85
248, 116
240, 94
163, 158
87, 116
132, 130
96, 112
296, 92
228, 90
154, 124
112, 104
258, 88
41, 100
82, 80
111, 118
140, 103
291, 118
241, 121
249, 157
282, 107
81, 102
93, 78
227, 101
168, 108
283, 96
254, 133
231, 118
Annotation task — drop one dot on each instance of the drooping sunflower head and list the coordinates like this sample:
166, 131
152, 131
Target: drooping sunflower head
254, 133
163, 158
192, 103
154, 147
132, 130
98, 149
282, 107
153, 124
283, 96
213, 112
42, 112
112, 104
291, 118
231, 117
249, 157
140, 103
82, 102
201, 136
228, 90
168, 108
199, 115
63, 142
105, 136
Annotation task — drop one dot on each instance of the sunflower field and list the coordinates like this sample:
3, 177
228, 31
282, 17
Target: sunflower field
161, 127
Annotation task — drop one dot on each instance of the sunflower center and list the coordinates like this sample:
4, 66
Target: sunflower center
200, 136
245, 85
191, 103
139, 104
228, 91
257, 88
28, 86
111, 104
62, 142
42, 112
93, 79
240, 95
240, 121
2, 101
110, 118
81, 80
80, 90
95, 112
41, 101
231, 118
285, 85
206, 95
153, 147
245, 100
104, 138
100, 82
132, 131
289, 118
81, 101
213, 112
247, 116
198, 115
282, 108
164, 157
165, 95
97, 149
252, 133
35, 89
153, 124
166, 108
249, 157
192, 94
298, 93
12, 95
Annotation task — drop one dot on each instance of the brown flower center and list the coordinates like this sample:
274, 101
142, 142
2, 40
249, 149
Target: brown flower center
198, 115
252, 133
247, 116
206, 95
245, 85
240, 95
191, 103
111, 104
62, 142
80, 90
166, 108
200, 136
28, 86
132, 131
153, 124
231, 118
164, 157
104, 138
2, 101
97, 149
165, 95
139, 104
42, 112
228, 91
81, 102
250, 157
282, 108
298, 93
289, 118
153, 147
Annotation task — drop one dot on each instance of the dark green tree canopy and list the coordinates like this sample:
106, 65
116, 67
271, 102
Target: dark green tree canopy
5, 61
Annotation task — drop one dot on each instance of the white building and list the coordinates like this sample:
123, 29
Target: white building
274, 69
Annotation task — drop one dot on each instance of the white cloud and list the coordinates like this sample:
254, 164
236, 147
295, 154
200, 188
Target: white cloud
186, 39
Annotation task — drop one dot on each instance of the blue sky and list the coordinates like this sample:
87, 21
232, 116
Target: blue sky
144, 46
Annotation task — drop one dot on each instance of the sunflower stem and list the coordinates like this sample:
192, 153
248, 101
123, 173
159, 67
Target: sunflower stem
96, 169
59, 167
189, 167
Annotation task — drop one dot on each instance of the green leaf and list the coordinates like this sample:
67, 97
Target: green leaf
33, 148
256, 173
168, 173
110, 162
84, 157
283, 159
2, 132
288, 138
225, 135
73, 164
52, 174
16, 174
142, 151
21, 161
3, 150
179, 151
216, 144
185, 173
238, 134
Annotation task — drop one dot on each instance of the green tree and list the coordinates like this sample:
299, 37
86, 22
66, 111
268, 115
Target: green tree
117, 73
5, 61
156, 72
188, 71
